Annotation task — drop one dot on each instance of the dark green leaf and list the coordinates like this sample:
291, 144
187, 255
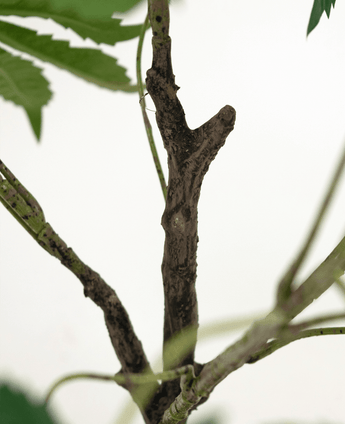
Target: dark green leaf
327, 6
319, 7
99, 27
90, 64
16, 408
22, 83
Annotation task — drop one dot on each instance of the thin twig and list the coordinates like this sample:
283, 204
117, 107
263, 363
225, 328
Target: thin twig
274, 345
26, 209
121, 379
284, 287
143, 110
295, 328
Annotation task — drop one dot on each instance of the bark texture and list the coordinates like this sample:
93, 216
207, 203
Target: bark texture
190, 153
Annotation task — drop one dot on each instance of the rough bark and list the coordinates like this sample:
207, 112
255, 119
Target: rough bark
190, 153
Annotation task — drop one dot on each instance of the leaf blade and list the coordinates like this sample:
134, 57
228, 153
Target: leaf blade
100, 28
89, 64
22, 83
17, 407
92, 8
319, 7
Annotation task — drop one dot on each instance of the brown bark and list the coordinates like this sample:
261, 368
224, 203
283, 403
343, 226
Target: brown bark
190, 152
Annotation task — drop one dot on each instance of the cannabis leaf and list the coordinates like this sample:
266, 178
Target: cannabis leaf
99, 27
22, 83
319, 7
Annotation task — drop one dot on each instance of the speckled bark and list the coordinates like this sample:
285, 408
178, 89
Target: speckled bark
190, 153
126, 344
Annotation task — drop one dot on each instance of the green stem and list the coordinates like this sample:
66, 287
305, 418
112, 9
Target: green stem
121, 379
296, 328
284, 287
274, 345
20, 202
143, 110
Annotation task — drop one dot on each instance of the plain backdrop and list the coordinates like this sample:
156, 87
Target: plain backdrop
94, 177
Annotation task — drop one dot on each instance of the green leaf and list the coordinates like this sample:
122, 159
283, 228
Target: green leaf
95, 8
22, 83
87, 9
89, 64
319, 7
16, 408
35, 118
125, 5
99, 27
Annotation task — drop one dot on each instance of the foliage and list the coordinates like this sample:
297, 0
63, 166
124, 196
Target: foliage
23, 84
319, 7
22, 81
88, 19
17, 408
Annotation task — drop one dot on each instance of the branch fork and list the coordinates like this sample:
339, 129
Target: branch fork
190, 153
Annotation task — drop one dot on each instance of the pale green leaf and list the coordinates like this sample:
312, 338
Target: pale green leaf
99, 27
89, 64
22, 83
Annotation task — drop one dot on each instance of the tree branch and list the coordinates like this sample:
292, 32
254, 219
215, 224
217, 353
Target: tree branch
255, 341
25, 208
190, 153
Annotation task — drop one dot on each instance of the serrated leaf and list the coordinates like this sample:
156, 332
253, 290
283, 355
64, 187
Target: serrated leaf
89, 64
22, 83
319, 7
95, 8
100, 28
16, 408
327, 5
87, 9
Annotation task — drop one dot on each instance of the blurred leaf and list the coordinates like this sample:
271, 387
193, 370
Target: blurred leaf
319, 7
125, 5
16, 408
97, 9
226, 326
209, 420
89, 64
102, 29
22, 83
341, 285
299, 422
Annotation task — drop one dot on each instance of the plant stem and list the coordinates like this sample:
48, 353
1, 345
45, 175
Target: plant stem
276, 344
143, 110
284, 287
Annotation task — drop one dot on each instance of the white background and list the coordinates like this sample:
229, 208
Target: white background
94, 177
